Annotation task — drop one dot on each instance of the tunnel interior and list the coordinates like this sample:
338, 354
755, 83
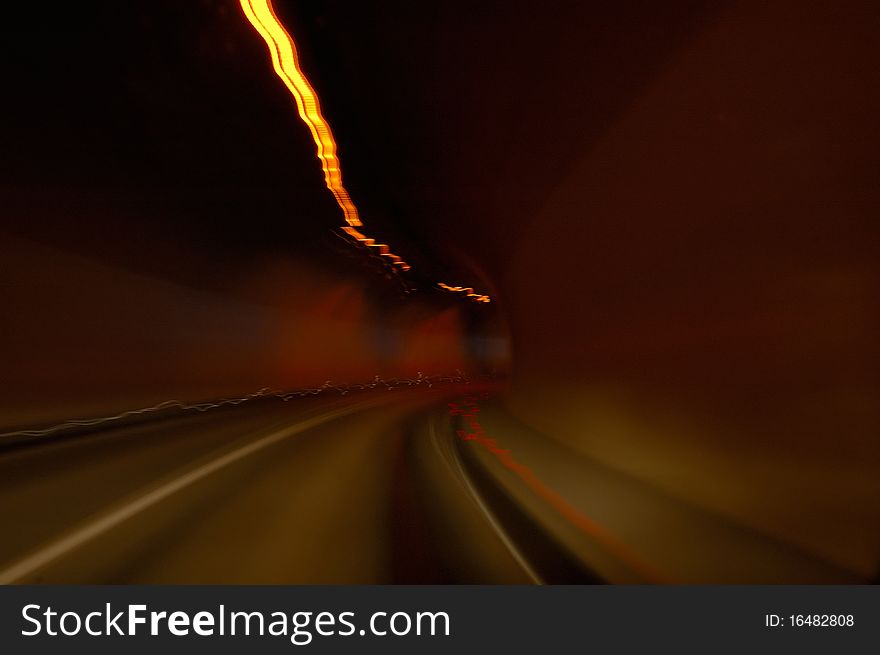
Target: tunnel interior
672, 207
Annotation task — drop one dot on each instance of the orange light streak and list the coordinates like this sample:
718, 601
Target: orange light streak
468, 291
282, 50
286, 64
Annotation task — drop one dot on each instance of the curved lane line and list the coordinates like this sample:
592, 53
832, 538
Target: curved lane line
452, 461
94, 529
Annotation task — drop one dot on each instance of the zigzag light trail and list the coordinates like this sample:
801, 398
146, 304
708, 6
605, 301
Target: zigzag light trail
328, 387
285, 62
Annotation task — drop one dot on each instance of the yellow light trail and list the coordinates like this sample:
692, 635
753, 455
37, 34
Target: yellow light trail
468, 291
286, 64
282, 50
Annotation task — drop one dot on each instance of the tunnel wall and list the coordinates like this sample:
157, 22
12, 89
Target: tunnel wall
695, 304
82, 337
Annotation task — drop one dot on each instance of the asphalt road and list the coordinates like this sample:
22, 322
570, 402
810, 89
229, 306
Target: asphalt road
317, 490
371, 487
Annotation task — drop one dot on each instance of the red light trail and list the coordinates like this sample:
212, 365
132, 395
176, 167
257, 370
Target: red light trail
468, 409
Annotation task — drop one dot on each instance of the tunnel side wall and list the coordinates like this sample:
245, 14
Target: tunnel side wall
696, 302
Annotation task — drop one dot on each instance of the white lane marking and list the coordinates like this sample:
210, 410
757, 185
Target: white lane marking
452, 461
95, 528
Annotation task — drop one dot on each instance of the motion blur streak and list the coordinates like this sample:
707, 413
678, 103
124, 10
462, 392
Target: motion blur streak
95, 528
284, 59
283, 51
328, 386
469, 408
468, 291
286, 64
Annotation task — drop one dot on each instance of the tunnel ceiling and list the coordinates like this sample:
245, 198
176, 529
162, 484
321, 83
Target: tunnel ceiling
454, 122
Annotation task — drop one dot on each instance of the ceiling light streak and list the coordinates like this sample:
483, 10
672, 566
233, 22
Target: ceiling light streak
286, 64
468, 291
282, 50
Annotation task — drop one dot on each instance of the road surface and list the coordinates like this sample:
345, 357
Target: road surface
399, 486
